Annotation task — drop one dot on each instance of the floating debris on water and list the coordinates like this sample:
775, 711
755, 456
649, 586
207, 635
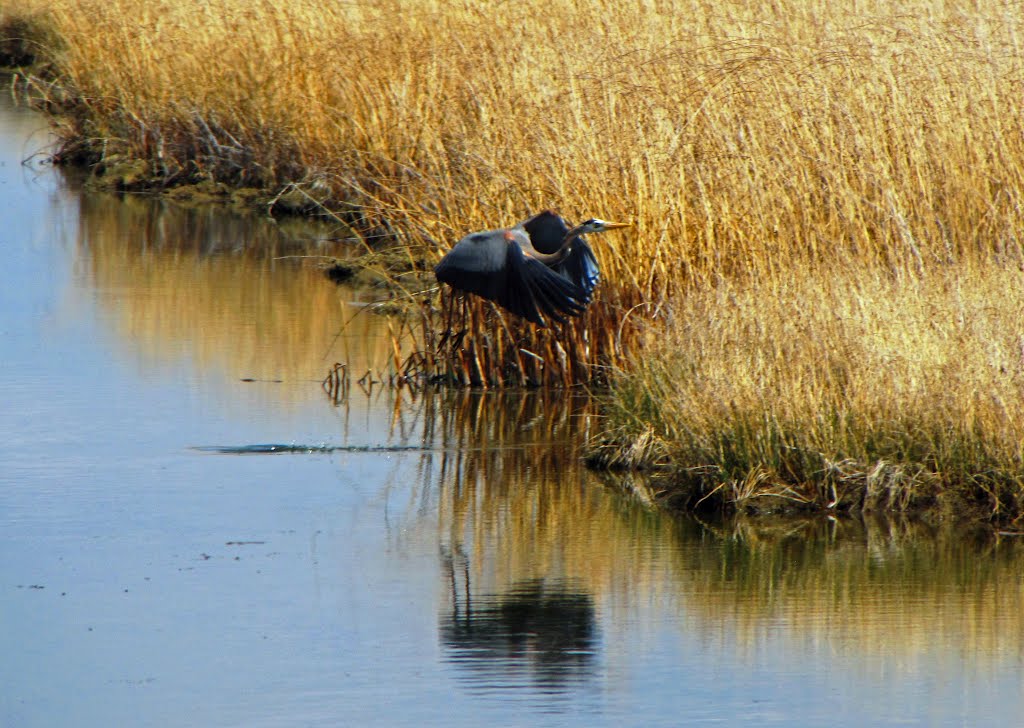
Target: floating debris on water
271, 448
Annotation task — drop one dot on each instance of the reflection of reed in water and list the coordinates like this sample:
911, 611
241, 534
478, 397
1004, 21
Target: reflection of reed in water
211, 285
514, 507
873, 587
513, 494
528, 538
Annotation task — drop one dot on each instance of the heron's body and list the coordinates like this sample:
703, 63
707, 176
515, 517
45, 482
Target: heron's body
536, 269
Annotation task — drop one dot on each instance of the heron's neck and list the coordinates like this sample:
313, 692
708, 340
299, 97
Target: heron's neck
563, 250
573, 234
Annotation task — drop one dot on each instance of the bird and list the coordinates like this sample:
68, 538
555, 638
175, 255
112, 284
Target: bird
539, 269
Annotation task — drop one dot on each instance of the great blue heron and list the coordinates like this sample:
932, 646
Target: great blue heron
537, 268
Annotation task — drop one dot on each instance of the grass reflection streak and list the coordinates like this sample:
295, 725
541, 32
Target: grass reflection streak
515, 507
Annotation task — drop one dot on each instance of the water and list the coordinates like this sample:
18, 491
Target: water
431, 560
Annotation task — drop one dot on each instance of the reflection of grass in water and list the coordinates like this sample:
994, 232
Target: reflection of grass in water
879, 587
511, 493
205, 283
515, 505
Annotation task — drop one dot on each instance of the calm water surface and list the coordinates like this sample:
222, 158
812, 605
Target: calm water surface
479, 577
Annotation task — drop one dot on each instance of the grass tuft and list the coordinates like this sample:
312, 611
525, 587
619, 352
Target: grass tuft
862, 391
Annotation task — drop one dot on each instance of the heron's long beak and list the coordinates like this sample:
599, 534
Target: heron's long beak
614, 225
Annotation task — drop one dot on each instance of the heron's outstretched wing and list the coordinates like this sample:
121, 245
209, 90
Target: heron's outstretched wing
553, 295
547, 230
476, 264
493, 266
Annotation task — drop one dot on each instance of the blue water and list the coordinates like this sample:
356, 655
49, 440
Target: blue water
430, 560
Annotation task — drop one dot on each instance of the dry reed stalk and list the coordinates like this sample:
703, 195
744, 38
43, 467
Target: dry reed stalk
490, 348
337, 383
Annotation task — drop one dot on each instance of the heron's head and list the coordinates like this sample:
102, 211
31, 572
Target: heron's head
596, 225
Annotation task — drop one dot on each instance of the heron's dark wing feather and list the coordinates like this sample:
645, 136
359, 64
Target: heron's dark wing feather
580, 267
519, 299
553, 295
479, 264
476, 264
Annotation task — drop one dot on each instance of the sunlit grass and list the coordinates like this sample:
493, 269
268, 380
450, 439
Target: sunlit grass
863, 390
875, 147
742, 139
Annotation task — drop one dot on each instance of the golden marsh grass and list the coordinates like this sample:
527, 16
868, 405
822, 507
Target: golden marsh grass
760, 149
860, 391
741, 139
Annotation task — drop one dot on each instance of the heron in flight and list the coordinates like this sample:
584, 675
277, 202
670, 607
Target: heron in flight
536, 269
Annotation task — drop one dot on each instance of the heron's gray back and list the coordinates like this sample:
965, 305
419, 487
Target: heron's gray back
482, 252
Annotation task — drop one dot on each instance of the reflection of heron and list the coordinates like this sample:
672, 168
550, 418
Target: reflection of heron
538, 268
547, 631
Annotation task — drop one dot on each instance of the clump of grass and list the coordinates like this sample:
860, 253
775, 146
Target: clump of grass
471, 342
857, 390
